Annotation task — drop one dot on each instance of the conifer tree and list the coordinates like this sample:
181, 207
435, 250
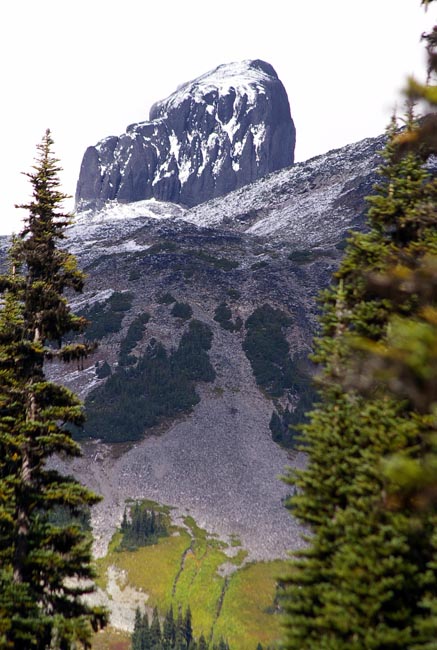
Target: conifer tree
136, 638
367, 579
169, 630
188, 627
155, 630
45, 568
145, 633
202, 643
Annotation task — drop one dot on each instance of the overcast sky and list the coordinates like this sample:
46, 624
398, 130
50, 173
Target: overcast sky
88, 68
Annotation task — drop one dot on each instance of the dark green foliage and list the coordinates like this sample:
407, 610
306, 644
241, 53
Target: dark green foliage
259, 265
62, 517
45, 552
136, 639
162, 247
171, 635
103, 371
267, 349
155, 631
218, 262
234, 294
133, 336
165, 298
142, 526
191, 358
302, 256
283, 425
223, 315
368, 577
106, 317
182, 310
159, 385
276, 427
134, 274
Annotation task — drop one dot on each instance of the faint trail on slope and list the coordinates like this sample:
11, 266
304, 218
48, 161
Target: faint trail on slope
219, 607
181, 568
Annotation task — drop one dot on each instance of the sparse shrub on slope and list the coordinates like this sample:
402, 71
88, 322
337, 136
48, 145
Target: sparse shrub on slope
182, 310
106, 317
142, 526
134, 334
156, 385
223, 315
267, 349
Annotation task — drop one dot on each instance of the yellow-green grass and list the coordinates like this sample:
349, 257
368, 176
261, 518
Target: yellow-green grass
182, 570
153, 569
200, 586
246, 617
111, 639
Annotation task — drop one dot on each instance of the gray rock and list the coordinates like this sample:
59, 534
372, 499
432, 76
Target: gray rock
215, 134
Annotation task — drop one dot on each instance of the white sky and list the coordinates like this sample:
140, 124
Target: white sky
88, 68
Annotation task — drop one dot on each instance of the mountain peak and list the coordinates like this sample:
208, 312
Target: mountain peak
245, 77
216, 133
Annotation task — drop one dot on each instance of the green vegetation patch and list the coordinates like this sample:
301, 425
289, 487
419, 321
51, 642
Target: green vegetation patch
267, 349
156, 385
106, 317
142, 526
165, 298
111, 639
182, 310
259, 265
234, 294
182, 571
133, 336
154, 568
221, 263
223, 315
248, 615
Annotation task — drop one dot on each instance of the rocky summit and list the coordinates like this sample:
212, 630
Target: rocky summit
213, 135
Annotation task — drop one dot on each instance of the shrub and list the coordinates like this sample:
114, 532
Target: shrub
103, 371
138, 395
259, 265
134, 334
267, 349
106, 317
141, 527
182, 310
234, 294
165, 298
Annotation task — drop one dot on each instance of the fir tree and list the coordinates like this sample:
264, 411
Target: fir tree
202, 643
367, 579
188, 627
45, 568
136, 638
169, 630
155, 630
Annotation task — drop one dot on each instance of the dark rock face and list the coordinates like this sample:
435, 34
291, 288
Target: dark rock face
215, 134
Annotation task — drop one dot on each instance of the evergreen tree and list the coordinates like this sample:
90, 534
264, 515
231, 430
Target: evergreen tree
202, 643
155, 630
188, 627
136, 639
45, 568
169, 630
145, 633
367, 579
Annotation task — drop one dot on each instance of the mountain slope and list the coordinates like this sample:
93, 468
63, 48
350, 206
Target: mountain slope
274, 242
